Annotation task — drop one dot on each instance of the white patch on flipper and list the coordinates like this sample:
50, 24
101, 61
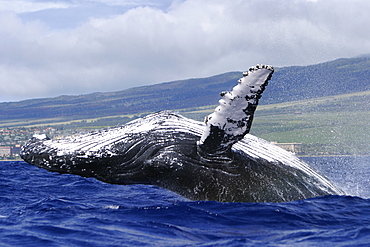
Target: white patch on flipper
231, 111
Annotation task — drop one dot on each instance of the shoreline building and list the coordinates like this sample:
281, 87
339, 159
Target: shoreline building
293, 147
5, 151
10, 151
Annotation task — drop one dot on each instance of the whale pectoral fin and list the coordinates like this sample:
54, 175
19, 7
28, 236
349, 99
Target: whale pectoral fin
232, 119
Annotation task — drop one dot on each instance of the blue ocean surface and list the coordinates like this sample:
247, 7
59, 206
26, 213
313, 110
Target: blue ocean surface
41, 208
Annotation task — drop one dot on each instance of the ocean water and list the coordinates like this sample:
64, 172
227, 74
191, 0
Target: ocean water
41, 208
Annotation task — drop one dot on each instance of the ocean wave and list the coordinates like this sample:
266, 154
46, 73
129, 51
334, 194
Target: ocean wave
44, 208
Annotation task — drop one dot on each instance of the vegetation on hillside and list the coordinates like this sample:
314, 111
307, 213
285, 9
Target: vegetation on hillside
337, 124
288, 84
325, 106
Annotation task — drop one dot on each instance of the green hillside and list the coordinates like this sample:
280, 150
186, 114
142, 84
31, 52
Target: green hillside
325, 106
288, 84
328, 125
334, 125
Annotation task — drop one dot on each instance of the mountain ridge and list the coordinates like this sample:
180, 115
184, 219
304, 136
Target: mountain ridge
340, 76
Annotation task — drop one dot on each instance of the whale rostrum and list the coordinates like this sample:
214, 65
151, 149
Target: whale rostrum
216, 160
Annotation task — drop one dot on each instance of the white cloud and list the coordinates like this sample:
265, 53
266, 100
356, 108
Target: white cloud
192, 38
21, 6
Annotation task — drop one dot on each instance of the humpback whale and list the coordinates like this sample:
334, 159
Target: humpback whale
215, 160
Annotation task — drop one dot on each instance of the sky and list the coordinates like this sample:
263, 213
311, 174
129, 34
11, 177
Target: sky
71, 47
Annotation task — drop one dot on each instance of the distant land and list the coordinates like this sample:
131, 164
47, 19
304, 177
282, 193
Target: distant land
324, 106
295, 83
